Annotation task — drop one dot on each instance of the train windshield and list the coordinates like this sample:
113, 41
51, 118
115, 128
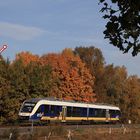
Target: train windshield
28, 107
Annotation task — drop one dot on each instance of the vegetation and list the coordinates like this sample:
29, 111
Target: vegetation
112, 84
123, 24
63, 133
79, 75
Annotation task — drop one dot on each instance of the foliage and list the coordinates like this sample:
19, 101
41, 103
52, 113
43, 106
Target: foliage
123, 24
131, 98
20, 81
94, 61
61, 75
112, 84
69, 75
73, 80
5, 92
27, 57
114, 81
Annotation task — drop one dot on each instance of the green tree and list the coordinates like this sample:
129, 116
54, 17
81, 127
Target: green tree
8, 101
33, 79
114, 82
123, 24
20, 81
40, 79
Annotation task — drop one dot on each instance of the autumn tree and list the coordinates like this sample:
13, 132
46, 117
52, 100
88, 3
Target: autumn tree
72, 79
131, 106
123, 24
123, 91
65, 76
27, 57
94, 60
112, 84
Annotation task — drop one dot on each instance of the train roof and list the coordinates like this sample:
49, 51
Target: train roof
35, 100
71, 103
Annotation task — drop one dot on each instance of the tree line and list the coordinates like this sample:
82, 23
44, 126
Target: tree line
80, 75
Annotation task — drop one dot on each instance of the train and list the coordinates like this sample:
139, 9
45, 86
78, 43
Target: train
53, 110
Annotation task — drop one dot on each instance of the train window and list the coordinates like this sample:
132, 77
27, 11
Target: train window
118, 113
58, 110
46, 109
96, 113
27, 107
69, 111
38, 110
100, 113
83, 112
74, 111
91, 112
115, 113
52, 109
78, 111
112, 113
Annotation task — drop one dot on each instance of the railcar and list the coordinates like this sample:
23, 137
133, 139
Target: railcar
49, 110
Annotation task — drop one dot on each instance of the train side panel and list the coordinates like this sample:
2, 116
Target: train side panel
62, 111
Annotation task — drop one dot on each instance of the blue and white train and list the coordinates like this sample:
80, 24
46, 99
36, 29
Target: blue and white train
49, 110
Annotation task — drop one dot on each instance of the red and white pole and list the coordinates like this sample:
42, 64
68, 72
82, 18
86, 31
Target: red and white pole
4, 47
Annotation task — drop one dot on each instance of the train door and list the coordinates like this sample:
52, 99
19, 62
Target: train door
64, 110
107, 115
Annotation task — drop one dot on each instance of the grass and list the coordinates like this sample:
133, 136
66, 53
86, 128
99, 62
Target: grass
62, 133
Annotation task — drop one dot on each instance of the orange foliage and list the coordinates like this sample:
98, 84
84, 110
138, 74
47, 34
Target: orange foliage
27, 57
73, 80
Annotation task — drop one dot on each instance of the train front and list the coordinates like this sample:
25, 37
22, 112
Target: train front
26, 110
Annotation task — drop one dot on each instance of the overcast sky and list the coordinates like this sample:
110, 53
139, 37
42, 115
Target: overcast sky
43, 26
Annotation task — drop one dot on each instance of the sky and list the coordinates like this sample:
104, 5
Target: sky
46, 26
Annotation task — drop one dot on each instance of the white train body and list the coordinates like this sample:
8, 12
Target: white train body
63, 111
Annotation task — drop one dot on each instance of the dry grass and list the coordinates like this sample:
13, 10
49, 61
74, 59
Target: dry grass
61, 133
